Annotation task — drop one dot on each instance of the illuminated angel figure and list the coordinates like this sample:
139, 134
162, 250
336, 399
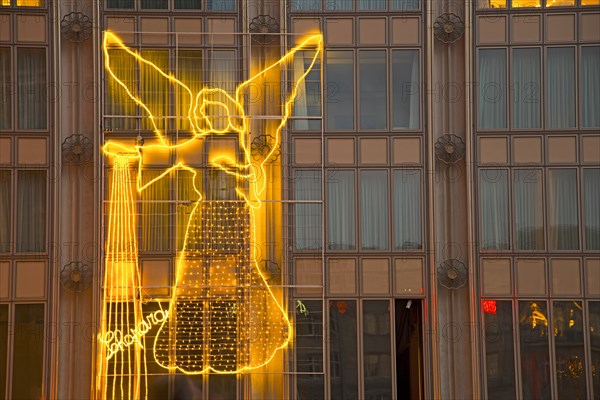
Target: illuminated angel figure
223, 316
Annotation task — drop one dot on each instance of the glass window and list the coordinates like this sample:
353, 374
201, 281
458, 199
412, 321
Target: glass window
31, 211
590, 86
493, 203
491, 3
155, 4
338, 5
309, 350
560, 87
377, 350
594, 331
590, 2
405, 5
591, 202
527, 87
189, 71
3, 349
308, 100
154, 88
560, 3
372, 4
154, 210
308, 215
187, 197
341, 210
118, 101
529, 214
526, 3
563, 209
6, 89
339, 94
568, 345
374, 210
372, 85
499, 350
407, 209
222, 386
221, 5
492, 88
31, 88
222, 74
535, 358
405, 89
343, 352
187, 4
5, 211
120, 4
298, 5
28, 350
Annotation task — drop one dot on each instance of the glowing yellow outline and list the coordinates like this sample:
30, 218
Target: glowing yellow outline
254, 173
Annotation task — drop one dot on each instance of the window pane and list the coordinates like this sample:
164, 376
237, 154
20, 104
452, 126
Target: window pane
338, 4
499, 351
189, 71
28, 348
535, 359
377, 349
154, 88
306, 5
5, 211
155, 4
529, 214
222, 386
343, 354
5, 89
187, 4
340, 90
308, 215
407, 209
560, 88
491, 3
221, 5
308, 100
405, 5
526, 3
527, 86
372, 4
31, 211
187, 193
591, 201
570, 354
492, 88
562, 209
3, 349
118, 102
374, 210
31, 88
405, 89
120, 4
30, 3
560, 3
309, 349
154, 210
341, 210
222, 74
594, 329
493, 202
373, 90
590, 86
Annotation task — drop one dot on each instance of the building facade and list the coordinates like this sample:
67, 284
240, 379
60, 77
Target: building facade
429, 218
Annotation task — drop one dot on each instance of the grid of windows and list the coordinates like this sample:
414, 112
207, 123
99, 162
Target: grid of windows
210, 5
494, 4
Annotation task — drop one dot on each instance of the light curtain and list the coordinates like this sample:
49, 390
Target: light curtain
307, 102
31, 88
492, 88
591, 201
189, 71
529, 226
154, 88
405, 89
341, 209
590, 86
154, 236
493, 205
374, 210
31, 211
223, 74
339, 76
5, 211
373, 89
118, 102
5, 89
407, 209
308, 215
562, 209
527, 86
560, 87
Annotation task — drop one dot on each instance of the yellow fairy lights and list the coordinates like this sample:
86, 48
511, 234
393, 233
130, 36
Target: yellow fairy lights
223, 316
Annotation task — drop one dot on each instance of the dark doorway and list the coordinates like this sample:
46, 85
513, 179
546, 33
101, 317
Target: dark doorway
409, 350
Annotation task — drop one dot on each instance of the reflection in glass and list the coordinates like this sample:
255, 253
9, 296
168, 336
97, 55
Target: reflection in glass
339, 90
343, 357
563, 209
407, 209
405, 89
374, 209
341, 210
307, 215
535, 358
591, 207
570, 354
28, 347
492, 88
529, 225
373, 89
594, 329
499, 351
493, 203
560, 87
377, 350
309, 350
527, 88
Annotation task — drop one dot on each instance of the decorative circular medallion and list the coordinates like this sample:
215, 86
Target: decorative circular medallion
450, 148
261, 26
452, 274
76, 149
262, 146
448, 28
76, 276
76, 27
